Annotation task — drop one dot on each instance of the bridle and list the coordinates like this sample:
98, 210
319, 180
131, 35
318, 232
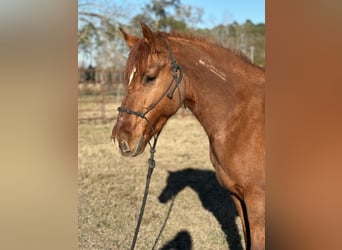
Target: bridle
177, 78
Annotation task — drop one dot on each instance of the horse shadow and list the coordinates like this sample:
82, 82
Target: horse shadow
213, 197
182, 241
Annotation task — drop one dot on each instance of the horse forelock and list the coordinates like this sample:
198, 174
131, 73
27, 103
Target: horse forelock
137, 58
139, 54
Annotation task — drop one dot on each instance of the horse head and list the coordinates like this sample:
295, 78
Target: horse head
152, 76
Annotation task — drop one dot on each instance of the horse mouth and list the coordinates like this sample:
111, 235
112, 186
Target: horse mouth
127, 150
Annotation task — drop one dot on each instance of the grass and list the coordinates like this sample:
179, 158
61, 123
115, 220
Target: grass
186, 207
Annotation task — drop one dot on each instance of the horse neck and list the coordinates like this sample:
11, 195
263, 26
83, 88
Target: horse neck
219, 84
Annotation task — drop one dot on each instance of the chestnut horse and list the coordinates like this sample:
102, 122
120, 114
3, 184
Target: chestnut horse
224, 91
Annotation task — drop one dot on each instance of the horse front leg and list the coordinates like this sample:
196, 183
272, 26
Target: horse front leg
239, 207
255, 205
223, 179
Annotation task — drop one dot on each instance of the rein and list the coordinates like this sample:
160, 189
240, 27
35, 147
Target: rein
177, 78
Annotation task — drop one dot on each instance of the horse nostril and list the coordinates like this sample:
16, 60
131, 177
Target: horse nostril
123, 146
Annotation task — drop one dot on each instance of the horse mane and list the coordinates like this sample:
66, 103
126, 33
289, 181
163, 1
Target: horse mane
141, 52
207, 42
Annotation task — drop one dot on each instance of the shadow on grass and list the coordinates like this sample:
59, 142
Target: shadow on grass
214, 198
182, 241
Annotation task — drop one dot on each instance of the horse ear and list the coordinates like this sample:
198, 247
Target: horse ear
130, 39
148, 36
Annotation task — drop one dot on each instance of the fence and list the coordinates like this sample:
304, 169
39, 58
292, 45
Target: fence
100, 93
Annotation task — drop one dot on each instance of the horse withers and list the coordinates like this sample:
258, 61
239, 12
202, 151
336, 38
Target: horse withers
224, 91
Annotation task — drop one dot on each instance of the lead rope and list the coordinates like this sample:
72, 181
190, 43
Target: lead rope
151, 165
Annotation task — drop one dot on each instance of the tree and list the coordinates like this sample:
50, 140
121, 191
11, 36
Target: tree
97, 32
168, 15
160, 9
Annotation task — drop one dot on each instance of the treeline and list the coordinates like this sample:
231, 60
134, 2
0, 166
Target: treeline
247, 37
100, 43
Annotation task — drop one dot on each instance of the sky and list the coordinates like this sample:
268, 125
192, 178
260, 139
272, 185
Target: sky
218, 11
215, 11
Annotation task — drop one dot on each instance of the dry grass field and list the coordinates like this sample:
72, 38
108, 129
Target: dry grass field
186, 207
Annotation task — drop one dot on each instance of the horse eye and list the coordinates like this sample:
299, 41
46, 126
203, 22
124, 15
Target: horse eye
149, 79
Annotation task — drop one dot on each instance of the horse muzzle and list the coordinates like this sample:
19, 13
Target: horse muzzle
127, 149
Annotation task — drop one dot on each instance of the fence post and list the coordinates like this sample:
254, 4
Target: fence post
118, 94
102, 97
